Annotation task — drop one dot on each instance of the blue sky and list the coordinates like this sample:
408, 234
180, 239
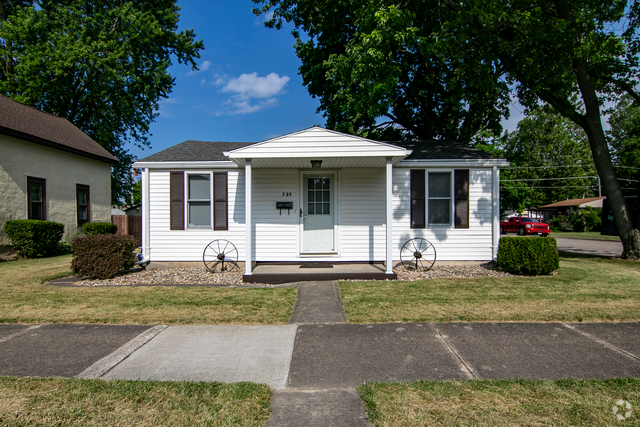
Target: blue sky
248, 88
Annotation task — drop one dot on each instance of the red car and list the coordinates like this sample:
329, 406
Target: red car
523, 226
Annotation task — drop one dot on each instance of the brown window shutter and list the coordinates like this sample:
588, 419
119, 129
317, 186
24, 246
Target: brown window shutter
417, 198
462, 197
176, 190
220, 201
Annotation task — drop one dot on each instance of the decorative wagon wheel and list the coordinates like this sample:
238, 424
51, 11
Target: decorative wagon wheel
220, 255
418, 254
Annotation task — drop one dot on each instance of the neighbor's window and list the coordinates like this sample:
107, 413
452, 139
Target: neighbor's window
199, 200
82, 203
37, 201
439, 198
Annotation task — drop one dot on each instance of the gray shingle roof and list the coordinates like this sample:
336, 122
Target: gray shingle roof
195, 151
443, 149
27, 123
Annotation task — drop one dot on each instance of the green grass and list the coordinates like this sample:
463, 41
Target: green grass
86, 403
585, 289
24, 299
500, 403
583, 235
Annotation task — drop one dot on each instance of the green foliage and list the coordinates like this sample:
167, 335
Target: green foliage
528, 256
560, 223
587, 219
32, 238
98, 228
545, 143
136, 192
103, 257
101, 64
624, 139
380, 70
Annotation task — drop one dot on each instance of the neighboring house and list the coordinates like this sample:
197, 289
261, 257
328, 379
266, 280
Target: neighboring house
351, 199
50, 170
566, 207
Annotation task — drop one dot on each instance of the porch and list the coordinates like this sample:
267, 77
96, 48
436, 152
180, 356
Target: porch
288, 272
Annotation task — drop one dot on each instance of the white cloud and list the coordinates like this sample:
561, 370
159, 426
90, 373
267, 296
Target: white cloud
249, 87
206, 65
165, 106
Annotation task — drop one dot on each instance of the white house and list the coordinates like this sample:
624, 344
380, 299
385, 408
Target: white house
320, 195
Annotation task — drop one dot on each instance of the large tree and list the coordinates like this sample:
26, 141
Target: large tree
101, 64
381, 73
573, 55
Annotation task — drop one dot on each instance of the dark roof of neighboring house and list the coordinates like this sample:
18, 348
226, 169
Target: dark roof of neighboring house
30, 124
441, 149
194, 151
571, 202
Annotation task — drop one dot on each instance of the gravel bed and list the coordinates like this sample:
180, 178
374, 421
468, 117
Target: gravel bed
199, 276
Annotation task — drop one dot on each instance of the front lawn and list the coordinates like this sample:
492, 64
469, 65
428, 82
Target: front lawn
501, 403
585, 289
24, 299
86, 403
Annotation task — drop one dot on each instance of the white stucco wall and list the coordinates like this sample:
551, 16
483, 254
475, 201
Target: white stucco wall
62, 171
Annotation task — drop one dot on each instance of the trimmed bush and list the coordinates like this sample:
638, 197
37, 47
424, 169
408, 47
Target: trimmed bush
587, 219
528, 256
98, 228
103, 257
32, 238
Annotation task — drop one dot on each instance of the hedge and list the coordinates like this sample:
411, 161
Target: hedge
528, 256
103, 257
32, 238
98, 228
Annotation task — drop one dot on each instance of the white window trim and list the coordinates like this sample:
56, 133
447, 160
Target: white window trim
451, 193
187, 200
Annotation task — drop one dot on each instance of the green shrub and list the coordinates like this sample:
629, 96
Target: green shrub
560, 223
588, 219
528, 256
103, 257
32, 238
98, 228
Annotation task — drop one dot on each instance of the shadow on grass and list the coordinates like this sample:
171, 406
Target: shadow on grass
569, 254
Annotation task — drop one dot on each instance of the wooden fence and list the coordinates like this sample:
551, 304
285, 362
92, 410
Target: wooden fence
129, 224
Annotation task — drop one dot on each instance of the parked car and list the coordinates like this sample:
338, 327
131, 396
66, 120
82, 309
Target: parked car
524, 226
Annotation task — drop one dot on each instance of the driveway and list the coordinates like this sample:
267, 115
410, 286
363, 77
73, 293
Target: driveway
600, 248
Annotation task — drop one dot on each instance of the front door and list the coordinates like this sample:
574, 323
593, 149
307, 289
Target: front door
318, 214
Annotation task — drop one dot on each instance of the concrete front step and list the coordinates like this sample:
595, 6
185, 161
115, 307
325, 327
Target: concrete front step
275, 273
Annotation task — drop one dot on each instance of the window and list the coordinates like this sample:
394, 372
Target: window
82, 203
439, 202
199, 200
319, 196
37, 198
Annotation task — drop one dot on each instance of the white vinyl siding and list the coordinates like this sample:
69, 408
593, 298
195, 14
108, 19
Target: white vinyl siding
275, 232
461, 244
188, 245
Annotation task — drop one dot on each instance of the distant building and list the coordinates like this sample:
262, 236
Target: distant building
50, 170
566, 207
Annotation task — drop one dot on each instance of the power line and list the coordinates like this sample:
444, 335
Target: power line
547, 179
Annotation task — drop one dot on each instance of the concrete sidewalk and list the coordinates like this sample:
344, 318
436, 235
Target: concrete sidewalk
315, 362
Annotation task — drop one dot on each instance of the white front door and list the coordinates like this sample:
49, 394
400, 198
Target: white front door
318, 213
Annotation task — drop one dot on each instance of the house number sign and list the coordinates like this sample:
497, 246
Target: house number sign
286, 194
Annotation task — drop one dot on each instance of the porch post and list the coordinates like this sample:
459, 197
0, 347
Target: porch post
248, 268
389, 216
496, 212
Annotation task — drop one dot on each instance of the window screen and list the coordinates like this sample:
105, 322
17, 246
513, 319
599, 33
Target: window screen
439, 198
199, 200
319, 196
